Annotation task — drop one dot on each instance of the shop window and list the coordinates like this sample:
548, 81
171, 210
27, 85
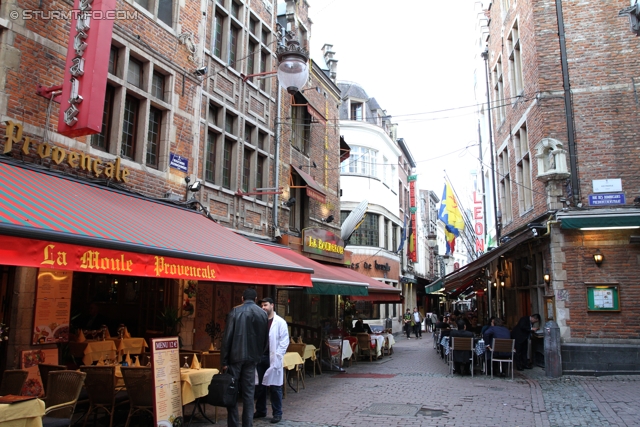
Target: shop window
101, 140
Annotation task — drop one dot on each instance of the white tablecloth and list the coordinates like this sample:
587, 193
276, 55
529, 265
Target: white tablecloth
378, 340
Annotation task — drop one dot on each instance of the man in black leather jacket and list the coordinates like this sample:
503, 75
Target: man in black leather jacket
244, 342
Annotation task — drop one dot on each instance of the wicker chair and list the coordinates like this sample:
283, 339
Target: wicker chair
63, 389
12, 382
44, 370
139, 383
100, 385
364, 346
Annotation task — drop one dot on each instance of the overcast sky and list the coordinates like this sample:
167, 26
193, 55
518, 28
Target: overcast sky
415, 57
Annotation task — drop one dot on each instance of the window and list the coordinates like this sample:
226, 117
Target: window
368, 232
253, 25
235, 10
356, 111
161, 9
210, 159
129, 124
246, 169
498, 92
153, 136
212, 117
394, 238
362, 161
229, 123
298, 212
140, 125
227, 162
113, 60
300, 125
249, 134
250, 61
263, 140
385, 170
385, 242
217, 35
233, 46
523, 169
157, 85
260, 169
134, 73
505, 186
264, 36
515, 61
264, 58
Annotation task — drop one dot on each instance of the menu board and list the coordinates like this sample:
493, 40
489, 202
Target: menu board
603, 297
165, 364
29, 361
53, 307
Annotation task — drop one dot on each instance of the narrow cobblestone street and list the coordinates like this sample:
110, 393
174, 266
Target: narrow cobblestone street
413, 387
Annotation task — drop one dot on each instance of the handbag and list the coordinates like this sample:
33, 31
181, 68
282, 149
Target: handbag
223, 390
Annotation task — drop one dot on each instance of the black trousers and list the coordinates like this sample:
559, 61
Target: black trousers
522, 354
245, 374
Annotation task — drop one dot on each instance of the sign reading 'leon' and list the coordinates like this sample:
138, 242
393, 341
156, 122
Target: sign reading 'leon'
322, 242
85, 76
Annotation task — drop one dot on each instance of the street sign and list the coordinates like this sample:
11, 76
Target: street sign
606, 199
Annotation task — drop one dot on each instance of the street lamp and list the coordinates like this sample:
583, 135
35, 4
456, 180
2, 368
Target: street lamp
293, 68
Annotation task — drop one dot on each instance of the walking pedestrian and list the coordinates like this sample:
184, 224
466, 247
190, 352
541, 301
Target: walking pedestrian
407, 323
243, 344
417, 323
270, 370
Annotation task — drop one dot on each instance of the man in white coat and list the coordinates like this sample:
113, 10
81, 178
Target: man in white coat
270, 370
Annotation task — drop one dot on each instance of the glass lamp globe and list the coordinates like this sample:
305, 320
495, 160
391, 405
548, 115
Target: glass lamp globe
293, 73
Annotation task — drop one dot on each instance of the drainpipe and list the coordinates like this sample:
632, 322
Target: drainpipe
277, 161
568, 106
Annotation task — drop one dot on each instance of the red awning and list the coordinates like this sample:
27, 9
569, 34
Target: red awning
378, 292
322, 273
314, 190
58, 223
316, 114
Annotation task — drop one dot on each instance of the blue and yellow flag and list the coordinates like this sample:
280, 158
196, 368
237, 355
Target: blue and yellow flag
451, 215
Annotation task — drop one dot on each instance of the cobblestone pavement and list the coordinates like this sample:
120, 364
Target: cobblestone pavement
413, 387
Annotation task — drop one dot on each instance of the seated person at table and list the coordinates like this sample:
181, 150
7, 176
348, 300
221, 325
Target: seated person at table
461, 358
487, 326
361, 328
496, 330
441, 324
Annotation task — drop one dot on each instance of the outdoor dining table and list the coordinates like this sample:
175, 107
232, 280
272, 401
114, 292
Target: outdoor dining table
290, 362
92, 350
129, 345
22, 414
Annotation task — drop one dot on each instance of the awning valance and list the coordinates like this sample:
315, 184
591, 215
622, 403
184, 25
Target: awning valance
434, 287
613, 221
314, 190
54, 222
378, 292
326, 279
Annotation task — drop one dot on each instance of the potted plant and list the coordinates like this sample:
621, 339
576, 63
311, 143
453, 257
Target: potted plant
171, 319
215, 332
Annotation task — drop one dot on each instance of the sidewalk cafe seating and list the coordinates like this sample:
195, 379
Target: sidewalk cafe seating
12, 382
103, 395
298, 348
460, 344
353, 342
63, 389
139, 383
364, 346
44, 369
502, 351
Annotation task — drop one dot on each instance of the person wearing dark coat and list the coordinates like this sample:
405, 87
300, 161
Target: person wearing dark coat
244, 342
496, 330
521, 333
461, 358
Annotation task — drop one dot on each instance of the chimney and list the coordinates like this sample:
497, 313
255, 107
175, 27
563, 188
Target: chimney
328, 53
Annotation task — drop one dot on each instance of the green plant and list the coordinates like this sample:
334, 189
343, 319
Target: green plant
171, 319
214, 331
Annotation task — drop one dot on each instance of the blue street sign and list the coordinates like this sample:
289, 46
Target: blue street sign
606, 199
178, 162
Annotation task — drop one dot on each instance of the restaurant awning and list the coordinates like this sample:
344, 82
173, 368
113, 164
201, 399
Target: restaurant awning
434, 287
62, 223
345, 150
379, 292
466, 274
600, 219
326, 279
314, 190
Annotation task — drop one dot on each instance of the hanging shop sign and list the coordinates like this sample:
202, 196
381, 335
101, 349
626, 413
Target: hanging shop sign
58, 155
412, 252
322, 242
478, 223
85, 75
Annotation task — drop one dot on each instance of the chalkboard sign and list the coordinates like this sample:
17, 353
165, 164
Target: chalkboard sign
603, 298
